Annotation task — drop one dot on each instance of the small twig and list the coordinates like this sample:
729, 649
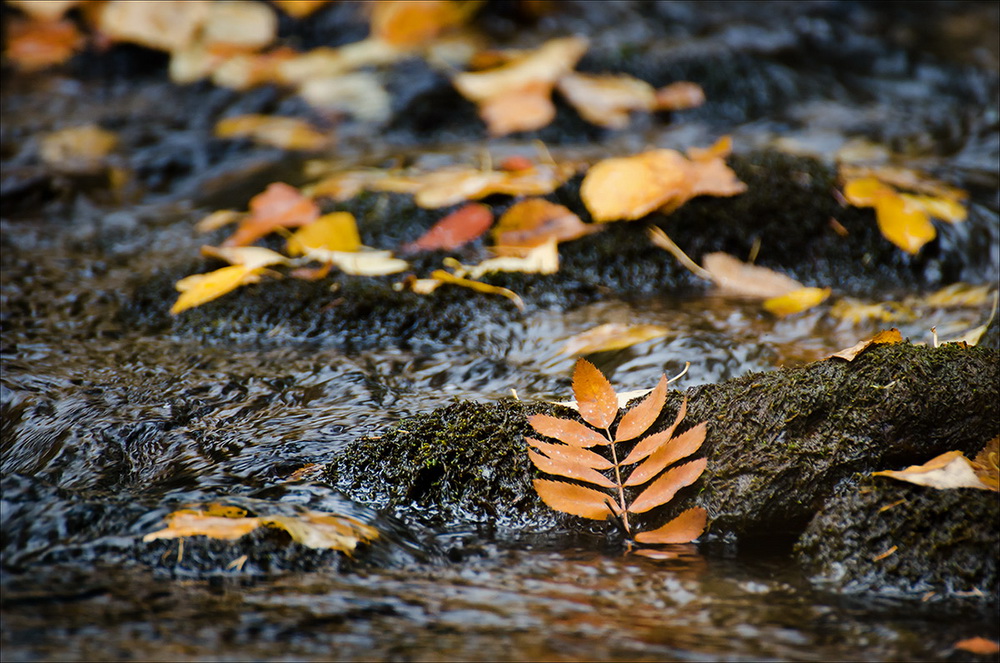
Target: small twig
660, 239
687, 365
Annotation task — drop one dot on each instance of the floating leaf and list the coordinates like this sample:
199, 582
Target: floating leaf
289, 133
566, 430
462, 226
949, 470
796, 301
669, 453
637, 420
279, 206
611, 336
739, 278
606, 100
337, 231
684, 528
531, 222
883, 337
594, 395
663, 489
575, 500
201, 288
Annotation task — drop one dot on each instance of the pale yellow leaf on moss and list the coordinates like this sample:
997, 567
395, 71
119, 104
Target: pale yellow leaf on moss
250, 257
887, 336
611, 336
336, 231
368, 262
949, 470
541, 259
796, 301
289, 133
77, 149
607, 99
199, 289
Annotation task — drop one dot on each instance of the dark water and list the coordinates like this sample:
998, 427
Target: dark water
109, 424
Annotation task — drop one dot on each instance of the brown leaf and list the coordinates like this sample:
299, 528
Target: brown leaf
34, 45
739, 278
949, 470
571, 454
595, 396
574, 500
682, 446
569, 469
663, 489
531, 222
883, 337
457, 229
681, 95
985, 464
566, 430
279, 206
636, 421
651, 443
683, 529
611, 336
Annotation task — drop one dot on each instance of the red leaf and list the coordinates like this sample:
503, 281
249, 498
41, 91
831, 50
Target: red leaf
651, 443
663, 489
457, 229
279, 206
635, 422
569, 469
571, 454
566, 430
575, 500
681, 446
683, 529
595, 397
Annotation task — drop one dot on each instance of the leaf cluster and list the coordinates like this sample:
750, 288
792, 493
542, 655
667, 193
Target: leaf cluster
573, 458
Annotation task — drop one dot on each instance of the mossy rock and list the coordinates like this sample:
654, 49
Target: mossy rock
895, 537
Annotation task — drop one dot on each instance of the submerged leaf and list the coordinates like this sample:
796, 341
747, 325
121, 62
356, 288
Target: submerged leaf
566, 430
575, 500
595, 396
663, 489
739, 278
683, 529
611, 336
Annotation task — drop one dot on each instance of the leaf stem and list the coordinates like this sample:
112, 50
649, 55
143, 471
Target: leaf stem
618, 482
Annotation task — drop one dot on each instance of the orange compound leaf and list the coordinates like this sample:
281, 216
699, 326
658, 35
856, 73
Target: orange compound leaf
595, 396
573, 455
569, 469
35, 45
682, 446
796, 301
683, 529
337, 231
462, 226
651, 443
636, 421
663, 489
279, 206
532, 222
288, 133
632, 187
199, 289
409, 23
606, 100
681, 95
574, 500
903, 223
566, 430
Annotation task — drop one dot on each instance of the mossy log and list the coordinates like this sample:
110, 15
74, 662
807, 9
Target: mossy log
778, 443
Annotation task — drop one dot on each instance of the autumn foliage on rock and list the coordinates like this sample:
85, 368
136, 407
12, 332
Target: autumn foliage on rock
572, 458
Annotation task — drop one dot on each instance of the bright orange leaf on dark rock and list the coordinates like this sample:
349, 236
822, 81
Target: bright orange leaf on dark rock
532, 222
462, 226
413, 22
279, 206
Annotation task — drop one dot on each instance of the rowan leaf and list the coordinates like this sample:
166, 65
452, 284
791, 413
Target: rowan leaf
651, 443
575, 500
568, 431
636, 421
595, 396
457, 229
679, 447
663, 489
683, 529
570, 470
571, 454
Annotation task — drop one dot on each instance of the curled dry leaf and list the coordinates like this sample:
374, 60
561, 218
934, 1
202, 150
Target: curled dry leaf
949, 470
279, 206
611, 336
288, 133
462, 226
532, 222
885, 336
573, 459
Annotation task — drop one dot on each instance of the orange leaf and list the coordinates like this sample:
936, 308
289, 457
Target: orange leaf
903, 222
288, 133
595, 396
457, 229
978, 645
683, 529
663, 489
651, 443
606, 99
682, 446
739, 278
571, 454
632, 187
410, 23
679, 96
525, 109
566, 430
279, 206
574, 500
611, 336
570, 470
883, 337
300, 8
34, 45
635, 422
531, 222
864, 191
193, 523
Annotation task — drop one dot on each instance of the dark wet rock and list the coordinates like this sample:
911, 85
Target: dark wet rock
778, 443
887, 536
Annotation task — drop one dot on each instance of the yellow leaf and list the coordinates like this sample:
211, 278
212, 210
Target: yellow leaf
195, 523
887, 336
288, 133
360, 263
218, 219
77, 149
949, 470
478, 286
542, 259
796, 301
945, 209
250, 257
857, 312
863, 192
959, 295
337, 231
736, 277
611, 336
201, 288
413, 22
903, 223
902, 178
606, 99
